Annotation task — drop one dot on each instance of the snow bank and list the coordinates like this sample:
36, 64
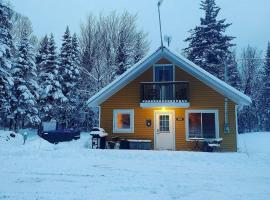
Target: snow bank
10, 138
254, 143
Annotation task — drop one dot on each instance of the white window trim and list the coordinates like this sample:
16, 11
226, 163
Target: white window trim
158, 65
202, 111
125, 111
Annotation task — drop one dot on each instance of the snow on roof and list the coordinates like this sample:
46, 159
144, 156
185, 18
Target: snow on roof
180, 61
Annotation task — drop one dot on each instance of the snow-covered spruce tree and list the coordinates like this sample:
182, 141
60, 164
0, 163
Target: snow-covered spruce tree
233, 75
75, 51
70, 76
42, 54
208, 45
74, 94
25, 88
265, 95
6, 57
51, 95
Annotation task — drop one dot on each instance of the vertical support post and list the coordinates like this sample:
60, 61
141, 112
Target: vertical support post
99, 115
236, 126
226, 120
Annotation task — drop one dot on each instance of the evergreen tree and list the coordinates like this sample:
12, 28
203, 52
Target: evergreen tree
25, 89
6, 46
74, 95
67, 69
51, 95
265, 95
75, 51
233, 75
70, 74
208, 45
42, 54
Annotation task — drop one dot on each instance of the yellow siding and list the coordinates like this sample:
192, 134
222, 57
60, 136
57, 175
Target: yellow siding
201, 97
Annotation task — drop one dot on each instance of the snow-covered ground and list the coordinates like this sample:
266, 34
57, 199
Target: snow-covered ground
39, 170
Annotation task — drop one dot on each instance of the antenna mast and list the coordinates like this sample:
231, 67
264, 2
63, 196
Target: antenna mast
161, 40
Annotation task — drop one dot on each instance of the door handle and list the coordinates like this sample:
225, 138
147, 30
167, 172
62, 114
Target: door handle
157, 131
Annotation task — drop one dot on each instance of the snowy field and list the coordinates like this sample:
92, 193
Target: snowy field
39, 170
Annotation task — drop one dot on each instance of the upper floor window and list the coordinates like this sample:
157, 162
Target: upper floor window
163, 72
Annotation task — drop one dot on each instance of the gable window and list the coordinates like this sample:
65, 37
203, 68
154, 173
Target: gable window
202, 124
123, 121
163, 73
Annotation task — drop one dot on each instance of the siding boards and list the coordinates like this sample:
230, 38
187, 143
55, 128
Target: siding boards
201, 97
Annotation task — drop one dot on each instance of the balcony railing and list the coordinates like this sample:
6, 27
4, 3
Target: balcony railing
165, 92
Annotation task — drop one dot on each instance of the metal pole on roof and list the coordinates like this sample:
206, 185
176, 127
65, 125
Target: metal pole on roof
160, 30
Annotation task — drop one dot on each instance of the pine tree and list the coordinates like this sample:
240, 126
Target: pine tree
25, 89
70, 73
51, 95
75, 51
6, 46
265, 95
208, 45
141, 46
233, 75
74, 94
41, 57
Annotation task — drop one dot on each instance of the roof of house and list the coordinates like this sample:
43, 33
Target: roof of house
180, 61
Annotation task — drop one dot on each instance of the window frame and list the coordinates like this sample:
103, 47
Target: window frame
163, 65
123, 111
215, 111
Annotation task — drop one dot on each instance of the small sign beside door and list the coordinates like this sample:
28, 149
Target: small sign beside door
180, 119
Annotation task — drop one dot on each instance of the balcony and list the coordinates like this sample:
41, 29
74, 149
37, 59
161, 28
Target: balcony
165, 94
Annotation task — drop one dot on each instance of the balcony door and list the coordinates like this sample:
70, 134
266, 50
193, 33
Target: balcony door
165, 73
164, 130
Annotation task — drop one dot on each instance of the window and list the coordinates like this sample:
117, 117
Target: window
164, 73
202, 124
123, 121
164, 123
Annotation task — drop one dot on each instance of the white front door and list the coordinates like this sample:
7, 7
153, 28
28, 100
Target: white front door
164, 130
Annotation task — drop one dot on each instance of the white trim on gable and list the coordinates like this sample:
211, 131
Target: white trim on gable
207, 78
177, 60
124, 79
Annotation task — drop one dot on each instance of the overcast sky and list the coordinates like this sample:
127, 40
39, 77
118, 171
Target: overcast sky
250, 18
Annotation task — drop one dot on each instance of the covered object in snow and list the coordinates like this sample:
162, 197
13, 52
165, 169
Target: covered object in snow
98, 138
61, 135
